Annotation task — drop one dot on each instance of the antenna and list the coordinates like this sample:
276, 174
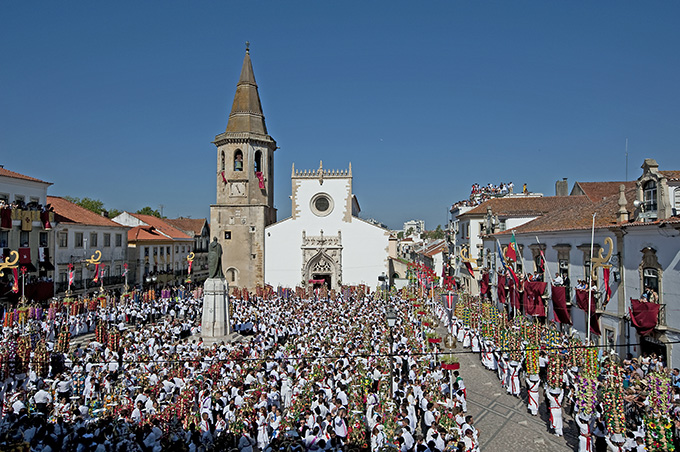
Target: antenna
626, 159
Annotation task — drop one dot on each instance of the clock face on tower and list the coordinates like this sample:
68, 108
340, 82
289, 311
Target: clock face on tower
237, 189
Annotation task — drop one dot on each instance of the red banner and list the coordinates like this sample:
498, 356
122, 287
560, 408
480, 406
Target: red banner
15, 285
645, 316
24, 256
469, 269
501, 289
582, 300
607, 289
560, 311
533, 301
260, 178
484, 284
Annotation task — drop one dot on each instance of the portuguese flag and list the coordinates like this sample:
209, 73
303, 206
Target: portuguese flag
511, 253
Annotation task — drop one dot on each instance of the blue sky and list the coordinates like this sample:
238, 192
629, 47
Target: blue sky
120, 100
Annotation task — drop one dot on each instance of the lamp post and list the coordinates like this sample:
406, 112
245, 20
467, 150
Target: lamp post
391, 317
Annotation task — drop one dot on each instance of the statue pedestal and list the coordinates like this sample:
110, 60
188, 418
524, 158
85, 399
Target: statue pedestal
215, 324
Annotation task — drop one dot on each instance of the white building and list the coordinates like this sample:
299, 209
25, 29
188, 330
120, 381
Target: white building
23, 229
79, 234
324, 241
636, 237
157, 250
416, 227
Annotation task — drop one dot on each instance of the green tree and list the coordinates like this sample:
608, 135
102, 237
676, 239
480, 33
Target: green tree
93, 205
400, 235
149, 211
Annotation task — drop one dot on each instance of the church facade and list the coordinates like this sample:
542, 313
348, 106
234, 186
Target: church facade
323, 242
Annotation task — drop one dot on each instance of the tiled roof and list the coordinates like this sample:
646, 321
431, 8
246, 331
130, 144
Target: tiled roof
146, 233
8, 173
526, 206
67, 212
436, 249
188, 224
163, 226
671, 175
597, 191
579, 217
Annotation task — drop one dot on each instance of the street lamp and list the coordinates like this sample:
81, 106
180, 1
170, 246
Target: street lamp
391, 317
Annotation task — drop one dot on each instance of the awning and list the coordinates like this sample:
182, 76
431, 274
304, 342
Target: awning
47, 265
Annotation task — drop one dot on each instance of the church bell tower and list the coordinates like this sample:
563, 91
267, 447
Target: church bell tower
245, 185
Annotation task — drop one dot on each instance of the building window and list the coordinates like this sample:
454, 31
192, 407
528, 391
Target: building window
222, 161
79, 240
231, 275
19, 198
146, 252
610, 338
176, 249
24, 239
650, 279
183, 249
321, 204
4, 197
62, 238
169, 250
118, 270
119, 239
227, 235
258, 161
107, 240
502, 225
162, 251
35, 200
238, 160
93, 239
564, 269
649, 196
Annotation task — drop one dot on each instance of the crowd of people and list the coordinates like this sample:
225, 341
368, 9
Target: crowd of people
480, 193
315, 375
630, 404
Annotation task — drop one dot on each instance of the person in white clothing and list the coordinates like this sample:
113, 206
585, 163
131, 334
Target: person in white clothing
585, 436
533, 383
554, 397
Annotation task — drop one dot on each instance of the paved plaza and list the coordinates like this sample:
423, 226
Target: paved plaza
503, 420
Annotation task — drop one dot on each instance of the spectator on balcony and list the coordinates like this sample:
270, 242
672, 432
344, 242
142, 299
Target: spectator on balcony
558, 279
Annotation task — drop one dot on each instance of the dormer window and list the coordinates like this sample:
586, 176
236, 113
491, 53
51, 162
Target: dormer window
238, 160
649, 196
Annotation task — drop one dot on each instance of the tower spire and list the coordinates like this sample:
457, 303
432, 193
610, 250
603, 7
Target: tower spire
246, 111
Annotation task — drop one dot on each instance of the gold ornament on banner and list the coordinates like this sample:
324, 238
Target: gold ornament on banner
10, 262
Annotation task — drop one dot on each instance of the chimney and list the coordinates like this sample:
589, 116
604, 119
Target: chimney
562, 187
622, 214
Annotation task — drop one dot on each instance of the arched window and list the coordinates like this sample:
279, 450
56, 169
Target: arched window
238, 160
258, 161
649, 196
222, 162
231, 275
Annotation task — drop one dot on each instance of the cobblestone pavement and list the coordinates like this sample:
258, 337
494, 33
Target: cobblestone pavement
503, 420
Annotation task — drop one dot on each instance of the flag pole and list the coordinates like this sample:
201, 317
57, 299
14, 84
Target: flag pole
545, 262
547, 270
590, 277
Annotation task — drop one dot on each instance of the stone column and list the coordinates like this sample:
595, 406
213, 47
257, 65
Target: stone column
215, 325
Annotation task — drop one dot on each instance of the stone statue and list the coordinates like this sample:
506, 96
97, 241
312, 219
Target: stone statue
215, 260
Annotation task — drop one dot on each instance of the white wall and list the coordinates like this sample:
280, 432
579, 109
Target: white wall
365, 246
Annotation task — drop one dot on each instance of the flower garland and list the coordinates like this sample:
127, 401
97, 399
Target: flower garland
613, 399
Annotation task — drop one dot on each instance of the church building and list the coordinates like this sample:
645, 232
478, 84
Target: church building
324, 241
